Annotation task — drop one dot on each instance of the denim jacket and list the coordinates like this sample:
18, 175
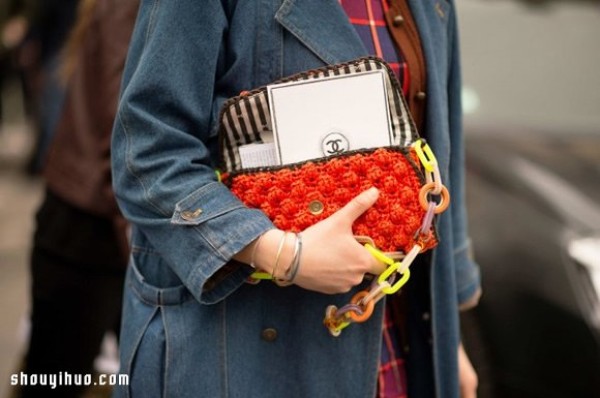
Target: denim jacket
186, 333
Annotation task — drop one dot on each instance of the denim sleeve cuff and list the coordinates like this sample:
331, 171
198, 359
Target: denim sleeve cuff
225, 226
468, 278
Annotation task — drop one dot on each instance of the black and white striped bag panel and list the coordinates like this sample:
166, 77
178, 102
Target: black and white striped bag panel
244, 118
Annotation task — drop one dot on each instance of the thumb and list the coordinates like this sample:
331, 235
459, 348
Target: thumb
359, 204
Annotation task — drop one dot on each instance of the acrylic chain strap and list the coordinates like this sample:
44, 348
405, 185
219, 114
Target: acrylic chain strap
361, 306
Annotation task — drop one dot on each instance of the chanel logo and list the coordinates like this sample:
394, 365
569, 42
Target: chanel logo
334, 144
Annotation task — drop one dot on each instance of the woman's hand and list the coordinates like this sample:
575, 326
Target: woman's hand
332, 261
467, 376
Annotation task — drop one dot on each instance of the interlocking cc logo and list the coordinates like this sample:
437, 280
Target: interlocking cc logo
334, 144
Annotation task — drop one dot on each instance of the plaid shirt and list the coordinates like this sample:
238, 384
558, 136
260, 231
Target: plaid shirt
367, 16
368, 19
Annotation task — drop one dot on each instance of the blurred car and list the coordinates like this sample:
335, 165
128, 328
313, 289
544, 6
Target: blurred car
534, 208
532, 102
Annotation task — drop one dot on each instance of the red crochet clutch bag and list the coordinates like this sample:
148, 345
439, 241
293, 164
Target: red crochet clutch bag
296, 196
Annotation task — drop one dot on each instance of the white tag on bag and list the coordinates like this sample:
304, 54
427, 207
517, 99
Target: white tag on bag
258, 155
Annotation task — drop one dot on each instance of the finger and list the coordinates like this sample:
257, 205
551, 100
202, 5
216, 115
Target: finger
377, 267
358, 205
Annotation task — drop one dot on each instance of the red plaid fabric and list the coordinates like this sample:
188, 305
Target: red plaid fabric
391, 382
368, 19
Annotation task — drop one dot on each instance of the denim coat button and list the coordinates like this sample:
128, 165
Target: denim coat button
189, 215
269, 334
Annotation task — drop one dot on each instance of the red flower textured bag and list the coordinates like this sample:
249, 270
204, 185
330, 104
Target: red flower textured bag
296, 196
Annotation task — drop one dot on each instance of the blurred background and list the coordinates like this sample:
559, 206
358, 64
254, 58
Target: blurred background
532, 119
531, 74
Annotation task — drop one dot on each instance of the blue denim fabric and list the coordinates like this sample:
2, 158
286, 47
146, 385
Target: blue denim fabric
181, 335
176, 347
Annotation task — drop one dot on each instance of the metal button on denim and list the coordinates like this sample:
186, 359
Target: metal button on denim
269, 334
421, 95
190, 215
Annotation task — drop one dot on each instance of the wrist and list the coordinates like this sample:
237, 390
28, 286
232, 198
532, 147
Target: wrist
275, 253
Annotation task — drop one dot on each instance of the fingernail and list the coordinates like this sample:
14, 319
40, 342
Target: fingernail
372, 192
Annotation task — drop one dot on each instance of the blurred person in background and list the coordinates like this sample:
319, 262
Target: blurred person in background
15, 17
39, 59
80, 246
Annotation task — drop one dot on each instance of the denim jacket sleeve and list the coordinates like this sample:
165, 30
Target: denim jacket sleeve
164, 141
437, 24
467, 271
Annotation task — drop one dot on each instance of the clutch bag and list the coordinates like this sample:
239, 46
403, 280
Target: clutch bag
296, 196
